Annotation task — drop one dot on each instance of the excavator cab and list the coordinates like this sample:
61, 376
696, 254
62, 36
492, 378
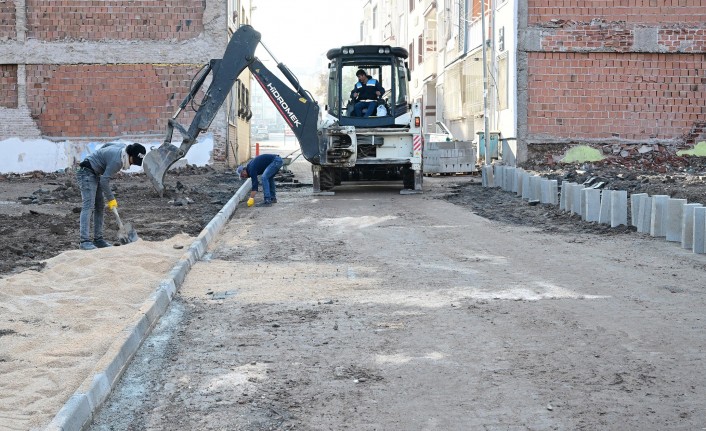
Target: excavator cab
383, 144
382, 63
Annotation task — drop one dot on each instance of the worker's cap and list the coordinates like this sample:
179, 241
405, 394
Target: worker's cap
240, 170
137, 152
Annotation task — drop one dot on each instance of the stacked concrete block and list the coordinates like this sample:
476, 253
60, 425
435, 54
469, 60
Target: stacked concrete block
488, 177
449, 157
658, 218
675, 213
535, 185
526, 189
619, 208
687, 233
565, 199
548, 192
699, 231
591, 204
499, 176
520, 175
576, 199
543, 191
510, 178
635, 202
567, 190
606, 200
644, 214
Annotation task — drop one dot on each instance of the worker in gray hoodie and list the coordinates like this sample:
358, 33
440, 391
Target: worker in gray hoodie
93, 176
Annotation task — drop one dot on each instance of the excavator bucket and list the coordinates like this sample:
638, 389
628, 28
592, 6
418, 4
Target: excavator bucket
156, 163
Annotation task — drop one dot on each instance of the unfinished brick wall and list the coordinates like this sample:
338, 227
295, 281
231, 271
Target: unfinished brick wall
8, 85
7, 20
612, 95
107, 100
631, 12
616, 70
114, 19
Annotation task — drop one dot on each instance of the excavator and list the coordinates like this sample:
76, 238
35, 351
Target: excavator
386, 145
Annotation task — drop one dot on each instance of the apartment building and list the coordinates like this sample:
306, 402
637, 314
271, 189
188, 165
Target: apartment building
557, 72
76, 73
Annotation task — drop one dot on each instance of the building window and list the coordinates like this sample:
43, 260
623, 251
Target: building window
411, 56
420, 49
430, 36
375, 16
411, 5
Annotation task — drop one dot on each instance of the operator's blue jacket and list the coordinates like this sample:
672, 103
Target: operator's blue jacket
257, 166
367, 91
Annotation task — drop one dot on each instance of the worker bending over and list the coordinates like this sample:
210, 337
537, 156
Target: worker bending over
266, 166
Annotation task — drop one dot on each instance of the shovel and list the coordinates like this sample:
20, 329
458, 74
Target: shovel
126, 233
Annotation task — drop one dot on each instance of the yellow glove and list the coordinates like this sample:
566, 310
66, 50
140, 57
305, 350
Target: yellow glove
251, 202
112, 204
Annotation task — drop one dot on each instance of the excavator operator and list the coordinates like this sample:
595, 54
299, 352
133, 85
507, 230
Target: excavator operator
365, 94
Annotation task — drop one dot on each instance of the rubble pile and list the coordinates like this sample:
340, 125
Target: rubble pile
650, 158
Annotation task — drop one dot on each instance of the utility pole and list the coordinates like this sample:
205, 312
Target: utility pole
486, 137
493, 70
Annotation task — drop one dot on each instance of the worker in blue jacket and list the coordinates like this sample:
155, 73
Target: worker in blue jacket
365, 94
266, 166
93, 177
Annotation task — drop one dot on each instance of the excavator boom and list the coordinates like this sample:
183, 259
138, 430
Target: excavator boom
297, 106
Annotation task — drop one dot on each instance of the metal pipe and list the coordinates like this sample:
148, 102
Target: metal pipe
486, 137
269, 52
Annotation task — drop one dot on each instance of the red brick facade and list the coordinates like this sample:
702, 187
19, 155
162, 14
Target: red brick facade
8, 86
114, 19
630, 12
106, 100
628, 70
614, 95
7, 20
601, 35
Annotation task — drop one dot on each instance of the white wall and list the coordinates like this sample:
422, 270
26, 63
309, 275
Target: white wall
21, 156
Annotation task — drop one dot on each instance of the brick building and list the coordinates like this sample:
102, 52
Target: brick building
621, 71
93, 71
561, 72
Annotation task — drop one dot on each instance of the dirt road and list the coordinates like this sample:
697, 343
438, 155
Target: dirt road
374, 311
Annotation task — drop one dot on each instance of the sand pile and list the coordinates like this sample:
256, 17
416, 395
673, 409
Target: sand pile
55, 325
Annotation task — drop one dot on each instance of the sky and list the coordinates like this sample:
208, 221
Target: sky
298, 33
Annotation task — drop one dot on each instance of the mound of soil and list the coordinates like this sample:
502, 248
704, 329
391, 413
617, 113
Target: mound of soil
39, 212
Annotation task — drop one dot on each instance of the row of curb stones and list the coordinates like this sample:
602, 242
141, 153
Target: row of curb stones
659, 216
77, 413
